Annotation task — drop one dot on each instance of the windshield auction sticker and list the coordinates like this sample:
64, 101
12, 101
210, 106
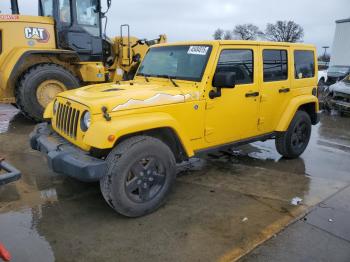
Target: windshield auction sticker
198, 50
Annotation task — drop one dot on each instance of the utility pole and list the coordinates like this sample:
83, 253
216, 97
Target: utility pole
325, 53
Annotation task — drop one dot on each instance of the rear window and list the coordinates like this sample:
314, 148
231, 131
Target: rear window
275, 65
304, 63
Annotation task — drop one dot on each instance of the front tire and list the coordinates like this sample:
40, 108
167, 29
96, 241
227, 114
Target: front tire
40, 85
293, 142
141, 173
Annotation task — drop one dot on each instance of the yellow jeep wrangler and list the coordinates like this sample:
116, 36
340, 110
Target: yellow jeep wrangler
185, 98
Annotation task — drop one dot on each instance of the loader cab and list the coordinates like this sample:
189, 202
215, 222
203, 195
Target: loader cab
78, 26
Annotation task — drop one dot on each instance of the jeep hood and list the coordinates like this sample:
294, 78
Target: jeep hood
126, 96
340, 87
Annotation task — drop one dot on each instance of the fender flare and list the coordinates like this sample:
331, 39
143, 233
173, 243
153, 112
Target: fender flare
16, 58
132, 124
292, 108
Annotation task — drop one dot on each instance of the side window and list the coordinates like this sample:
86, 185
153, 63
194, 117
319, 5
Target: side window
46, 7
304, 64
239, 61
65, 14
275, 65
88, 17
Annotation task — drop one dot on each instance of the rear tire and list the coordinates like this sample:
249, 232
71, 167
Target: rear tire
58, 79
141, 173
293, 142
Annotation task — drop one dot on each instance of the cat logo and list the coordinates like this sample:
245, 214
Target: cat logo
41, 35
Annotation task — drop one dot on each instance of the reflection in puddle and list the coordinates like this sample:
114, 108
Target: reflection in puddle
7, 112
265, 151
18, 231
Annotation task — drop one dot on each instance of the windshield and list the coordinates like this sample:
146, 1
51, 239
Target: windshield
339, 69
178, 62
46, 7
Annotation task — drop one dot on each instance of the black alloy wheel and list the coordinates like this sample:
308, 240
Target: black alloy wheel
145, 180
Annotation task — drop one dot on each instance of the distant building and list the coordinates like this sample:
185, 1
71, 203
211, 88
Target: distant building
341, 44
340, 60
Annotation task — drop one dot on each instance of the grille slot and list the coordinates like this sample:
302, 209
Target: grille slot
67, 120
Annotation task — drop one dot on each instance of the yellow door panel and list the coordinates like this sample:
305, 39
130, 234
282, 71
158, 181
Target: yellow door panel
233, 116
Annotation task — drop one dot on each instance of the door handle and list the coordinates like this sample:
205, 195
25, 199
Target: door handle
284, 90
254, 94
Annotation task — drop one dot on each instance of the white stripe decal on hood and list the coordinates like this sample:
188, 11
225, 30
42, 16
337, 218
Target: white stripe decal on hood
158, 99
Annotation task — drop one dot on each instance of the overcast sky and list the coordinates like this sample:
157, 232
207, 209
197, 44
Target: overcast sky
198, 19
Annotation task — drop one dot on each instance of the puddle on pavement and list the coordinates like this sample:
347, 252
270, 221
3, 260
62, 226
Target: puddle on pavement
229, 200
21, 228
7, 112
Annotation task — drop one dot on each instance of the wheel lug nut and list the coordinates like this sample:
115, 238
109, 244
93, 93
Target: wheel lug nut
141, 174
139, 182
151, 179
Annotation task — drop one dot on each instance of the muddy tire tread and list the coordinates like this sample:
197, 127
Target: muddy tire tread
112, 160
281, 140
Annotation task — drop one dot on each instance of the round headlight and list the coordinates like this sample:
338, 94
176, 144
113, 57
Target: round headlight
85, 121
55, 107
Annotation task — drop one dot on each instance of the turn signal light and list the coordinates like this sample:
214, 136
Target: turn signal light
111, 138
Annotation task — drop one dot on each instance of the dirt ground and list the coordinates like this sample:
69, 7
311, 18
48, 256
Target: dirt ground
223, 207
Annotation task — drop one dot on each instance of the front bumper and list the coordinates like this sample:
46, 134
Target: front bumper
11, 174
65, 158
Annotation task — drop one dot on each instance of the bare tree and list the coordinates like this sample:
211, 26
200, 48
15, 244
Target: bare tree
284, 31
228, 35
246, 32
218, 34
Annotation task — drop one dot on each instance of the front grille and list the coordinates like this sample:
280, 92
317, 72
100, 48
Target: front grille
67, 119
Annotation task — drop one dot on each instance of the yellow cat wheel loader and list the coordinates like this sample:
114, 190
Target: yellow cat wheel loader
62, 48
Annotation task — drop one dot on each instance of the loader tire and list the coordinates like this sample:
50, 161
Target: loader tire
39, 86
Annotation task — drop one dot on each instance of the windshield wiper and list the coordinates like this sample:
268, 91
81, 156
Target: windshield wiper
144, 75
170, 78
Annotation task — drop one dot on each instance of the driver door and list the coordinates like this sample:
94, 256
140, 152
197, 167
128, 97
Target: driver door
234, 115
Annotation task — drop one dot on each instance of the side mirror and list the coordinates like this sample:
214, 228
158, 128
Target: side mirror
222, 80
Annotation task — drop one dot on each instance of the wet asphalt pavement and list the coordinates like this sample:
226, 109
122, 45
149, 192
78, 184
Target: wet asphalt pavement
221, 209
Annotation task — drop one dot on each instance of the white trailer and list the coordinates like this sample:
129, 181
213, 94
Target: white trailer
340, 59
341, 43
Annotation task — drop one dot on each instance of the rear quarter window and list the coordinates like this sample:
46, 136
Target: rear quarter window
304, 63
